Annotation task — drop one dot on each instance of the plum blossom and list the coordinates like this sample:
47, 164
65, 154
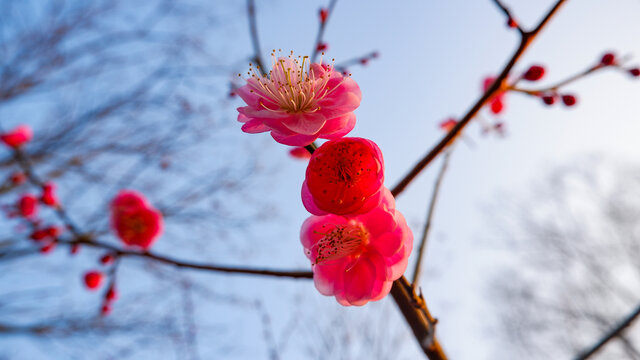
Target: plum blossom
356, 259
344, 177
299, 102
17, 137
134, 220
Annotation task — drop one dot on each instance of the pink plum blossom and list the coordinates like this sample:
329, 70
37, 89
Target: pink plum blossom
356, 259
299, 102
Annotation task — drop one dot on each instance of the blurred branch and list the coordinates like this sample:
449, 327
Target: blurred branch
322, 27
118, 252
430, 211
615, 332
526, 39
253, 31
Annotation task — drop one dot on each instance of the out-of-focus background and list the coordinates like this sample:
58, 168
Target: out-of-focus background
535, 242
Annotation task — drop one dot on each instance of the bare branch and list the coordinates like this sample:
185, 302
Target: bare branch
615, 332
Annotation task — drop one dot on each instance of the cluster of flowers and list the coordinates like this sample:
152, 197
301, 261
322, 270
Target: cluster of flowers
134, 220
356, 240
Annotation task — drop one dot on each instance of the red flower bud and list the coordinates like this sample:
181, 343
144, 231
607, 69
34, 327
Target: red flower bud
324, 15
549, 99
569, 100
322, 46
48, 248
535, 73
93, 279
635, 72
17, 137
75, 248
48, 194
608, 59
28, 205
18, 178
112, 294
107, 259
106, 310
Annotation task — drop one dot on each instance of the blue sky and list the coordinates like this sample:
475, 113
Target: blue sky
433, 57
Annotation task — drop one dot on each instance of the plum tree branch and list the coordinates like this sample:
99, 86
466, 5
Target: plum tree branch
526, 39
616, 331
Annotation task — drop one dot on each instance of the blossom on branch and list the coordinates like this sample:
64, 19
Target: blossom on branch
17, 137
356, 259
134, 220
299, 102
344, 177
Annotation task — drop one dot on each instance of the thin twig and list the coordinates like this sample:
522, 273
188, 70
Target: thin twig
430, 212
118, 252
323, 25
510, 18
253, 31
615, 332
526, 40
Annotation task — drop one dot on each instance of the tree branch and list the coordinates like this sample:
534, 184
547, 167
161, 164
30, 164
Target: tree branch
526, 40
430, 211
615, 332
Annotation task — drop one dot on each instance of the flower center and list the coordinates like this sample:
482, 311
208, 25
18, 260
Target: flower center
343, 240
291, 85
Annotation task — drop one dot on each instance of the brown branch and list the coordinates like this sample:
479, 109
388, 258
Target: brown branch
510, 18
118, 252
418, 317
615, 332
430, 211
526, 40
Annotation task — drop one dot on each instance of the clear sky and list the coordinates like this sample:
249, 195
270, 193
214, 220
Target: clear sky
433, 57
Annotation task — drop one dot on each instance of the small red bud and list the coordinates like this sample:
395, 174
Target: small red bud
106, 310
375, 55
93, 279
535, 73
324, 15
364, 61
48, 194
112, 294
28, 205
497, 106
38, 235
107, 259
549, 99
75, 248
608, 59
18, 178
322, 46
512, 23
48, 248
569, 100
300, 153
635, 72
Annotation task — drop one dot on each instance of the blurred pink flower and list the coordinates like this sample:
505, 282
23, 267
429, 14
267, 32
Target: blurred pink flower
17, 137
134, 220
344, 177
299, 102
357, 259
496, 103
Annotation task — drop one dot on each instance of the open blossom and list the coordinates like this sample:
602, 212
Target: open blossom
17, 137
356, 259
344, 177
134, 220
299, 102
